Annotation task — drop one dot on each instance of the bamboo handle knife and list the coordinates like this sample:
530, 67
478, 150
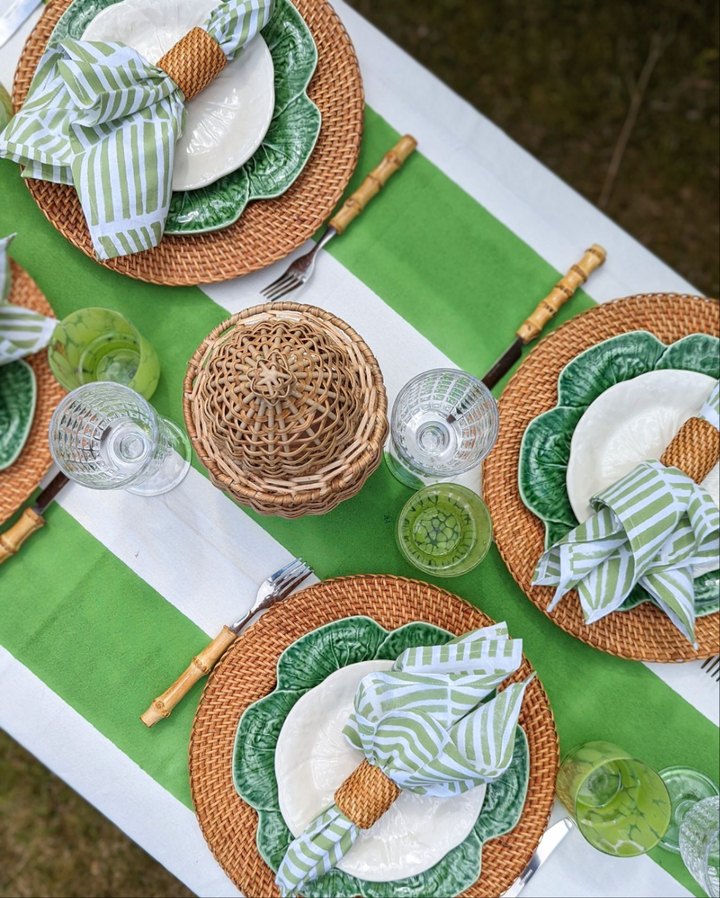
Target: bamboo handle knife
392, 161
561, 293
10, 541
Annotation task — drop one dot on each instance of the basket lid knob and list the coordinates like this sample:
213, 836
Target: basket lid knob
272, 379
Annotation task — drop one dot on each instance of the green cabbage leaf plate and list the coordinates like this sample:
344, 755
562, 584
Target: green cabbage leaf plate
304, 665
545, 448
18, 396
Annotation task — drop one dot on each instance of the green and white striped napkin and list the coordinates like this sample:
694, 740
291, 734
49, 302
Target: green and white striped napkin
652, 527
22, 332
422, 724
102, 118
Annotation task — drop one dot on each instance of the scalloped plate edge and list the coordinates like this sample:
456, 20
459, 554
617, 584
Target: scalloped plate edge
29, 423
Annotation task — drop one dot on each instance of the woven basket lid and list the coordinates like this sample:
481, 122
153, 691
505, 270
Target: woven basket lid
286, 407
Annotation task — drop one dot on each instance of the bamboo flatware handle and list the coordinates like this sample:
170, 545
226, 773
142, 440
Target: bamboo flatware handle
200, 667
561, 293
10, 541
372, 185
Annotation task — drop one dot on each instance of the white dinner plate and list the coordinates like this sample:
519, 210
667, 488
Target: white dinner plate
228, 120
629, 423
313, 758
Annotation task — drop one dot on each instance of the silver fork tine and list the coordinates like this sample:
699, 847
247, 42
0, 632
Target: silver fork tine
287, 588
273, 577
290, 283
298, 568
289, 575
276, 285
268, 287
711, 666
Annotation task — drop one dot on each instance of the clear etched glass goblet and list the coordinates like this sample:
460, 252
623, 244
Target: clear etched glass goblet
106, 436
700, 844
444, 422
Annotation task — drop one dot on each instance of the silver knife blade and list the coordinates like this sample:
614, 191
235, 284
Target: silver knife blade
548, 843
11, 20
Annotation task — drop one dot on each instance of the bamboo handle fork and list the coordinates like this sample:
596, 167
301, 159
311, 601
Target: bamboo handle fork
278, 586
302, 268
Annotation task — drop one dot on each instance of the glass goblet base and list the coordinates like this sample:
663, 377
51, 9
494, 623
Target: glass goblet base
686, 787
414, 479
174, 466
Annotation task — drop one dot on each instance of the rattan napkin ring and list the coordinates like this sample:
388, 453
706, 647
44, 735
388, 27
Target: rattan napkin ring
695, 449
286, 408
193, 62
366, 795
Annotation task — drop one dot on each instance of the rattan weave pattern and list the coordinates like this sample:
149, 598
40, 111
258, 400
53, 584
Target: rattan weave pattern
366, 795
22, 477
248, 672
267, 230
193, 62
286, 408
694, 450
645, 633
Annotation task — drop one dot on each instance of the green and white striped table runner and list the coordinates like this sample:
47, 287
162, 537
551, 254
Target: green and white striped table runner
109, 601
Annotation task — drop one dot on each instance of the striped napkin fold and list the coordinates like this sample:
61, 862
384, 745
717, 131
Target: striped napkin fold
102, 118
22, 331
421, 723
652, 527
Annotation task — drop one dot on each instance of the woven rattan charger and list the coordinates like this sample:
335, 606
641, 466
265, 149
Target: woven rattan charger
268, 229
286, 408
248, 672
644, 633
23, 476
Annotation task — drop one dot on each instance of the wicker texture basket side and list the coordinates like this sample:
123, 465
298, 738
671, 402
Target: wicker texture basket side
286, 408
268, 229
645, 633
248, 672
22, 477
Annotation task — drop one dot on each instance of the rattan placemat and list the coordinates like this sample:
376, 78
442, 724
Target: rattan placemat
268, 229
645, 633
248, 672
19, 480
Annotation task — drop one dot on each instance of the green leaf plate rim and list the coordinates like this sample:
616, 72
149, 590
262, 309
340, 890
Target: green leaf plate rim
462, 866
13, 457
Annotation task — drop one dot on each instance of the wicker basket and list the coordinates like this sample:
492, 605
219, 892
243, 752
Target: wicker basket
286, 408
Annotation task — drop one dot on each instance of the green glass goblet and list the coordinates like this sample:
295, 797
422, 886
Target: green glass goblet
102, 345
444, 530
621, 806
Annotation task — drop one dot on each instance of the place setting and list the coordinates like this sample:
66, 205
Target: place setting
270, 132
